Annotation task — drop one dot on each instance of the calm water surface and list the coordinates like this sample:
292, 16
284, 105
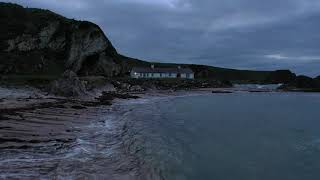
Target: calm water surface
243, 136
240, 136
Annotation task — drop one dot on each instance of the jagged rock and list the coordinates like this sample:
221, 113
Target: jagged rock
69, 85
35, 41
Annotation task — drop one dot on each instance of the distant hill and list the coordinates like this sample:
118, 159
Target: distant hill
210, 72
304, 84
41, 43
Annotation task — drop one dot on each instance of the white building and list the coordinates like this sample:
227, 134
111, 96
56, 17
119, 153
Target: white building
154, 72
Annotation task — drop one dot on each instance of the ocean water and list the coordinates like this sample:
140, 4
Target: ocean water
239, 136
242, 136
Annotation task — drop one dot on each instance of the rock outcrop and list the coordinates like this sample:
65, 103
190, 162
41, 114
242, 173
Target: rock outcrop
302, 83
69, 85
39, 42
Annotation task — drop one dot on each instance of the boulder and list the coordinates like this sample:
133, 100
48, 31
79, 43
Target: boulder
69, 85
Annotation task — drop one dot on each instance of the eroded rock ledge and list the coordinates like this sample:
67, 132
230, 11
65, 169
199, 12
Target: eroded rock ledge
48, 121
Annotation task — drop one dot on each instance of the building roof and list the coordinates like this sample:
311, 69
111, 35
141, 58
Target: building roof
161, 70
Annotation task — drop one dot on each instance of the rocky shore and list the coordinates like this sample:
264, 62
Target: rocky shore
48, 112
36, 121
302, 84
40, 130
28, 122
58, 75
48, 120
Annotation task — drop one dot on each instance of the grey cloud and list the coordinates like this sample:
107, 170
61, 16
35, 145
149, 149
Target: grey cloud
228, 33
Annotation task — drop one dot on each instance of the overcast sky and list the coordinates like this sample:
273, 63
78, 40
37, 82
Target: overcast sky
245, 34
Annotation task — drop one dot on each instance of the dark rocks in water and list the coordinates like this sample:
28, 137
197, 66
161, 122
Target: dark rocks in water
69, 85
302, 83
259, 91
39, 42
221, 92
280, 76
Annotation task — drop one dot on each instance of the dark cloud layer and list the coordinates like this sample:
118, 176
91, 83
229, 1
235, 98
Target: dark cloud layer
246, 34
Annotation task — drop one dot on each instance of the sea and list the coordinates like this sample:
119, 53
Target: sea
239, 136
192, 136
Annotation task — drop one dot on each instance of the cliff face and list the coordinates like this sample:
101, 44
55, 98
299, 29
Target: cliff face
39, 42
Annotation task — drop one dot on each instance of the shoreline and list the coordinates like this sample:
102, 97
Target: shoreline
43, 123
32, 122
32, 110
38, 133
46, 124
